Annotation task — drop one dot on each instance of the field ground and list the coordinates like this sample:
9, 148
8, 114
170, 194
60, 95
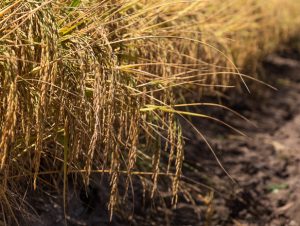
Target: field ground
265, 166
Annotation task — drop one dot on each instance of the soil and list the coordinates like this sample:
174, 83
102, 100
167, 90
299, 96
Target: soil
264, 166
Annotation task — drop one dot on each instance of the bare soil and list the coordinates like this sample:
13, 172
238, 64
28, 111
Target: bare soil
265, 165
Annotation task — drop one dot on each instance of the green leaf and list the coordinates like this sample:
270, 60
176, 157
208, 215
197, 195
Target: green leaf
75, 3
274, 188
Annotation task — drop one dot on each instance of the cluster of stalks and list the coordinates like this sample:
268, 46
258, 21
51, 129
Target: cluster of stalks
98, 86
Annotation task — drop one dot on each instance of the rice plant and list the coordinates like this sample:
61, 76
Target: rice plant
95, 86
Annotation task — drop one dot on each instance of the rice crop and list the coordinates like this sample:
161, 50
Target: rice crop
95, 86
